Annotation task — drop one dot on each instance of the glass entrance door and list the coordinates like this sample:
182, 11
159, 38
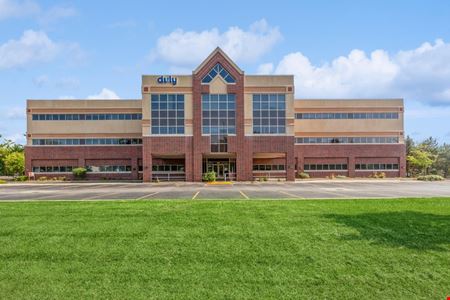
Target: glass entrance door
225, 169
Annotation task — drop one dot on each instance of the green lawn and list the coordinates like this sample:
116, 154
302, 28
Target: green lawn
340, 249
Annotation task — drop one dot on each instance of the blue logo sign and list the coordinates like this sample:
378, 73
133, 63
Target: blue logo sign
167, 80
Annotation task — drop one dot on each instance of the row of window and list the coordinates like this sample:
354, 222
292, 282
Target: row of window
168, 168
388, 115
105, 141
376, 167
325, 167
57, 169
268, 167
347, 140
85, 117
109, 169
93, 169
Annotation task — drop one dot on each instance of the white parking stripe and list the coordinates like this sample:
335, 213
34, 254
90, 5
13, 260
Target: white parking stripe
195, 196
147, 196
244, 195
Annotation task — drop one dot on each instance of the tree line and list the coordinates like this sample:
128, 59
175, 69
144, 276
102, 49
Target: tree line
12, 159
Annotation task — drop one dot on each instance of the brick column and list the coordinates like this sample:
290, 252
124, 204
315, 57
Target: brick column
81, 162
351, 166
134, 168
147, 160
402, 162
290, 166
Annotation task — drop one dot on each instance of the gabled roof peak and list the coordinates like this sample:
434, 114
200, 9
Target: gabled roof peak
219, 51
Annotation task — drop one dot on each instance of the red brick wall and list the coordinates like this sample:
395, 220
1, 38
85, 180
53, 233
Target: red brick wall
61, 156
352, 154
166, 145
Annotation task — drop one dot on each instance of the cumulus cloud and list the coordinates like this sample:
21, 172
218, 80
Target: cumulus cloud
106, 94
188, 48
421, 74
12, 9
33, 47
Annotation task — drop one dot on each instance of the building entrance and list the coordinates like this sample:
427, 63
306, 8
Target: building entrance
225, 168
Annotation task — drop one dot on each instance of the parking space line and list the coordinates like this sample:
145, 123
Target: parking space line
291, 195
147, 196
244, 195
101, 196
195, 196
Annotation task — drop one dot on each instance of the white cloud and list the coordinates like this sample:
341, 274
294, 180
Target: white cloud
66, 97
188, 48
41, 80
104, 94
33, 47
265, 69
17, 138
12, 8
421, 74
67, 83
16, 113
56, 13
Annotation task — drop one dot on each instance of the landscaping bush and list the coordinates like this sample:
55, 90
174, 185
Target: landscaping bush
341, 176
62, 178
79, 173
20, 178
42, 178
2, 181
209, 177
430, 178
303, 175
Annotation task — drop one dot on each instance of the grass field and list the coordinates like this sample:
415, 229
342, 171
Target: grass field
340, 249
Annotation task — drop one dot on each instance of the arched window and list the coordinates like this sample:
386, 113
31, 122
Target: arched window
218, 70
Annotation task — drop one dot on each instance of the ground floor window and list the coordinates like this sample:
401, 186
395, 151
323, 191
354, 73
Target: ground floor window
376, 167
108, 169
260, 167
53, 169
225, 168
325, 167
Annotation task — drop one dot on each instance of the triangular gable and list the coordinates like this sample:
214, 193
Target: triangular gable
213, 54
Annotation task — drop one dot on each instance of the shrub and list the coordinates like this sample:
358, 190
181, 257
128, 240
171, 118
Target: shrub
21, 178
42, 178
303, 175
430, 178
2, 181
209, 177
264, 178
62, 178
79, 173
341, 176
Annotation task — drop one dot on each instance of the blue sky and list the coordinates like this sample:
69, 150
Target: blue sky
335, 49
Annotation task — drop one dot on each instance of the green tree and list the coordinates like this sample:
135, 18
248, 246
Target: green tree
443, 160
419, 161
14, 164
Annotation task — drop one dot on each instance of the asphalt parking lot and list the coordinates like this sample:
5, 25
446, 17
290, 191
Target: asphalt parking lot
346, 189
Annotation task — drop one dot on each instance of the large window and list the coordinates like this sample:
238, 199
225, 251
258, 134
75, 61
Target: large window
109, 169
167, 113
219, 119
364, 115
269, 114
85, 117
347, 140
218, 70
218, 114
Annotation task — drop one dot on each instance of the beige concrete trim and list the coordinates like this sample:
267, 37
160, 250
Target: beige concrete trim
264, 89
169, 90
